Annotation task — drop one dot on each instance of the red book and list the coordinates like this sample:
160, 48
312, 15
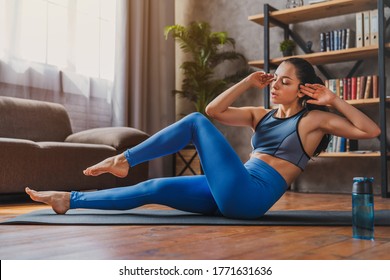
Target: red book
353, 87
362, 86
374, 86
345, 83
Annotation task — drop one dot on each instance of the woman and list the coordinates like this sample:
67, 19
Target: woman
283, 142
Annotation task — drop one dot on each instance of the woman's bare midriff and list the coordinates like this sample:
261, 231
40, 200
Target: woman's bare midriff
288, 170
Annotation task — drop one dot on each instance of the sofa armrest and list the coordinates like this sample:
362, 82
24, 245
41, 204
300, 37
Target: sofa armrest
121, 138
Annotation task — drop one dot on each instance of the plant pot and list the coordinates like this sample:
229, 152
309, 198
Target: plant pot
287, 53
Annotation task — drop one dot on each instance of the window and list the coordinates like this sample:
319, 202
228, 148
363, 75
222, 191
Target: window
74, 35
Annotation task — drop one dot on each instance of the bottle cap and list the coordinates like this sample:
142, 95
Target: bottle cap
362, 185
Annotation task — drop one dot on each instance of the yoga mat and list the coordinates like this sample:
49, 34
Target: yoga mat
176, 217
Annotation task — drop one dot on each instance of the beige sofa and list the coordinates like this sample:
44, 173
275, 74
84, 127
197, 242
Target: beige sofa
38, 149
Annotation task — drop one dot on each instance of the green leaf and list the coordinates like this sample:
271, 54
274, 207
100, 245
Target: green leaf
199, 84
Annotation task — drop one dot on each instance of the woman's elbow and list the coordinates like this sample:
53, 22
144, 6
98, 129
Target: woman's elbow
210, 111
376, 132
373, 133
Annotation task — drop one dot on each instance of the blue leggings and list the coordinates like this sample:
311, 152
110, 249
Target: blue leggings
229, 187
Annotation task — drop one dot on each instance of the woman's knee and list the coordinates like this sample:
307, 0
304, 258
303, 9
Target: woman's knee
196, 117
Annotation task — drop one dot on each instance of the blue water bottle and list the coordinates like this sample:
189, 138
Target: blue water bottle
363, 208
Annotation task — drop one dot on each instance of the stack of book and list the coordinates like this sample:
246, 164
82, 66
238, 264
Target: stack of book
366, 34
337, 40
338, 145
363, 87
367, 28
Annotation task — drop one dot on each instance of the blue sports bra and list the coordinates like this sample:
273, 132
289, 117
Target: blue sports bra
279, 137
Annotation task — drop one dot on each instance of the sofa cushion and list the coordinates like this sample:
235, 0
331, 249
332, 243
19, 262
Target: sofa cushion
17, 157
64, 164
33, 120
51, 166
120, 138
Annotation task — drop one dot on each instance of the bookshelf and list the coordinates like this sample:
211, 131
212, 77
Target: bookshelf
283, 18
328, 57
317, 11
351, 154
365, 102
358, 102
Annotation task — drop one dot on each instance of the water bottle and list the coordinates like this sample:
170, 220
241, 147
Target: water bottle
363, 208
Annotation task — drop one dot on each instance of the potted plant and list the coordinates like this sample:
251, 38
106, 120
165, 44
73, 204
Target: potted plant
207, 50
287, 47
201, 84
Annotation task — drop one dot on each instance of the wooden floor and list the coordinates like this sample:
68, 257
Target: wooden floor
196, 242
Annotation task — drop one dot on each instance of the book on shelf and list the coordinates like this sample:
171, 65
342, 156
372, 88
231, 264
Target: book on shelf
365, 34
334, 40
374, 27
375, 86
322, 42
362, 86
359, 30
353, 81
338, 145
354, 88
367, 28
349, 38
367, 91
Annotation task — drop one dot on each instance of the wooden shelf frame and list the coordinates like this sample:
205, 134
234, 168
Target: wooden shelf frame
350, 154
320, 58
365, 102
317, 11
354, 102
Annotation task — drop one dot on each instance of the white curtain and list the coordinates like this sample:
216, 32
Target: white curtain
66, 37
107, 61
61, 51
145, 70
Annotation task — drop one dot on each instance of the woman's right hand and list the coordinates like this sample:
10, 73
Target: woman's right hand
260, 79
221, 107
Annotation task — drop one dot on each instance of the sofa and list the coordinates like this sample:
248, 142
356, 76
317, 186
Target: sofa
38, 149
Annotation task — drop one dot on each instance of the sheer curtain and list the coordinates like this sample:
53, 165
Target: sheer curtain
61, 51
145, 70
74, 35
107, 61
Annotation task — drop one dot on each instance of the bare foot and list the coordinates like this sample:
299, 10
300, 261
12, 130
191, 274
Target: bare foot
59, 201
117, 166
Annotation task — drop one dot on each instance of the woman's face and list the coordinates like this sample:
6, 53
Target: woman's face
285, 86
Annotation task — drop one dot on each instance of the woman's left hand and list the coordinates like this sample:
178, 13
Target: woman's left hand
320, 94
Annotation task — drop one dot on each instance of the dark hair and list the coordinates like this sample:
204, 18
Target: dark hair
307, 75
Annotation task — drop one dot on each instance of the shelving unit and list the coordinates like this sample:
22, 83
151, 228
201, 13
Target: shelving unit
351, 154
365, 102
316, 11
282, 18
328, 57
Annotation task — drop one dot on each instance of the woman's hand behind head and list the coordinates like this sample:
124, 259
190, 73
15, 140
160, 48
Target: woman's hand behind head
260, 79
319, 94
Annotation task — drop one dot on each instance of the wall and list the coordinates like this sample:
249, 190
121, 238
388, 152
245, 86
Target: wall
232, 16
